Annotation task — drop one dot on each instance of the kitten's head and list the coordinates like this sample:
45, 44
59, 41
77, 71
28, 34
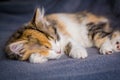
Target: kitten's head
39, 36
115, 40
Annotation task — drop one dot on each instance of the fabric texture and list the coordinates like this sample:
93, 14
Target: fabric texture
14, 13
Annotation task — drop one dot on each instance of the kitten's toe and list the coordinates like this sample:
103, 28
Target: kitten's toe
109, 52
78, 53
37, 58
106, 50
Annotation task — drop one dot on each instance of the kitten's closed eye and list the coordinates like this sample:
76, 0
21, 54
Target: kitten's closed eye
47, 47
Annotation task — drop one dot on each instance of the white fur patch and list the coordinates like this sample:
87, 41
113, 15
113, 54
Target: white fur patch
78, 31
106, 48
78, 51
37, 58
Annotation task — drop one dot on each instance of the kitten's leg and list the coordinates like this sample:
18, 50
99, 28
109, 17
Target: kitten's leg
37, 58
75, 50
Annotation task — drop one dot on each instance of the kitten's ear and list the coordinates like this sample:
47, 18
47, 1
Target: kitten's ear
16, 47
38, 16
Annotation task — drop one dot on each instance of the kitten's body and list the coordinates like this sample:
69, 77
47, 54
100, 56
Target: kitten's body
49, 37
71, 28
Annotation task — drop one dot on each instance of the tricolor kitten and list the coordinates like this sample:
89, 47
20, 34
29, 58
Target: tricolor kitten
50, 36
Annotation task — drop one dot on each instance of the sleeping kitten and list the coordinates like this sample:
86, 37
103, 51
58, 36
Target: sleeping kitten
50, 36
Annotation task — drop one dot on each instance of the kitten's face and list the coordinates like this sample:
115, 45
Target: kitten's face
32, 41
116, 41
46, 42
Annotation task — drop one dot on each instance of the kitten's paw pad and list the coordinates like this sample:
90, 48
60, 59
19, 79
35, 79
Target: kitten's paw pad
78, 53
37, 58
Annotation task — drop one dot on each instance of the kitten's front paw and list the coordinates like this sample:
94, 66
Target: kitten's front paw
106, 48
37, 58
78, 52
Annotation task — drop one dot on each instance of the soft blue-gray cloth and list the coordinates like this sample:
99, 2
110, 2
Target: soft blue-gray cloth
14, 13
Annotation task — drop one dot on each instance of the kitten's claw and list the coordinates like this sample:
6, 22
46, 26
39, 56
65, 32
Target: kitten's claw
78, 52
37, 58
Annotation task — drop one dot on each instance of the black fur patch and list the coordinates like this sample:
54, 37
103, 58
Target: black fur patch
68, 48
95, 29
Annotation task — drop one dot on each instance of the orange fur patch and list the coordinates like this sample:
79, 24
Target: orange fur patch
37, 35
37, 38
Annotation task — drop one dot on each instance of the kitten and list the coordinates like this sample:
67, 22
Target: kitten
49, 37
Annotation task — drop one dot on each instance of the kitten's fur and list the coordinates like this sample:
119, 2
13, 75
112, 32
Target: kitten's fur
50, 36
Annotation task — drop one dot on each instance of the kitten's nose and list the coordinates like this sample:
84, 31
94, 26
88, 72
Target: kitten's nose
58, 52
